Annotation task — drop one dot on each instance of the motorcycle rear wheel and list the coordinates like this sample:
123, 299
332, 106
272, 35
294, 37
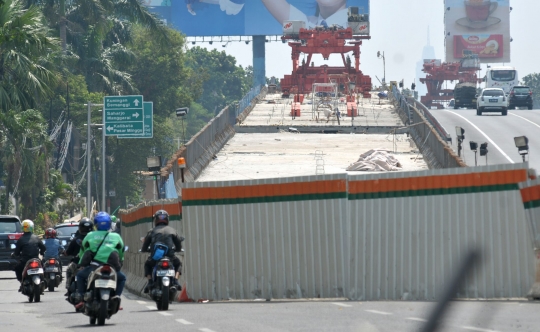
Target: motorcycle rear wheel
102, 315
92, 320
51, 286
164, 298
31, 298
37, 293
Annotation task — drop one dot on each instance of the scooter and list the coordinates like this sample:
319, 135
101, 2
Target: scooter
161, 291
53, 273
100, 298
33, 282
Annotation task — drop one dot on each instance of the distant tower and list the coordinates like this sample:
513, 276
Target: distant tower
427, 53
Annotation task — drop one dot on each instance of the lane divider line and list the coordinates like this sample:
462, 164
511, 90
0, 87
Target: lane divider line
484, 134
417, 319
141, 302
342, 304
151, 307
379, 312
519, 116
164, 313
183, 321
477, 329
204, 329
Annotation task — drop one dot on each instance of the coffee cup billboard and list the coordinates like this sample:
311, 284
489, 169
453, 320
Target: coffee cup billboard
480, 19
479, 10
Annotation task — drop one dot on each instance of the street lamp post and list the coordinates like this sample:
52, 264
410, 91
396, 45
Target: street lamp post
381, 56
460, 133
88, 159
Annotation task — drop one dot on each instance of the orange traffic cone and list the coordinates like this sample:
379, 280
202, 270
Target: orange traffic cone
183, 297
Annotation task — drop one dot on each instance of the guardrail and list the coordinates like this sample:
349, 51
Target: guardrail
426, 132
246, 101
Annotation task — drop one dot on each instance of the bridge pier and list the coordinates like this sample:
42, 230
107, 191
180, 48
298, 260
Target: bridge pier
259, 60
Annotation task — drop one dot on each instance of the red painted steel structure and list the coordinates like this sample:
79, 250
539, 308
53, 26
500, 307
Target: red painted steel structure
325, 41
437, 74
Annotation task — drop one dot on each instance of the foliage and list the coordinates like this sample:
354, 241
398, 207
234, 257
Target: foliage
533, 81
225, 82
24, 56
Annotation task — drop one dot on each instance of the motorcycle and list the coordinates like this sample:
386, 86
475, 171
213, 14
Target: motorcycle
33, 281
71, 283
53, 274
100, 300
161, 291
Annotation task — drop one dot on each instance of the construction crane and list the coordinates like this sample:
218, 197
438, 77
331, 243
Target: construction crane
437, 73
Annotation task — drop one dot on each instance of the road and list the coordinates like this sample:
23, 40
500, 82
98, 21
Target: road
498, 131
55, 314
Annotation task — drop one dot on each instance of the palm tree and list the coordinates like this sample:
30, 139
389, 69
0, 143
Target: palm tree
94, 34
24, 48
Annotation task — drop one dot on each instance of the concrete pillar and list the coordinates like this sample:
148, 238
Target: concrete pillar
259, 60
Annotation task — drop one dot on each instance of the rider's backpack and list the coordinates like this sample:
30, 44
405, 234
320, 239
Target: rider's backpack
159, 251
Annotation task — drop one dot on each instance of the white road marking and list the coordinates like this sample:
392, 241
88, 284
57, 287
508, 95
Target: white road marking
183, 321
378, 312
417, 319
486, 136
165, 313
141, 302
342, 304
204, 329
477, 329
519, 116
151, 307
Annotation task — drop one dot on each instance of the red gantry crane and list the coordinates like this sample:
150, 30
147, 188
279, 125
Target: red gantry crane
325, 41
437, 73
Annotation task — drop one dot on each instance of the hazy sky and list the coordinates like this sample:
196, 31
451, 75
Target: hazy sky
399, 28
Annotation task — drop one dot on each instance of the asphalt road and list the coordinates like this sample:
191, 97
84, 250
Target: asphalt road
497, 130
55, 314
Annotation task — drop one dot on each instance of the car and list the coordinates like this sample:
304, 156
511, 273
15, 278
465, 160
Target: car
10, 232
520, 96
64, 233
492, 100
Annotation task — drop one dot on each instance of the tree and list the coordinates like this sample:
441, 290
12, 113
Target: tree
533, 81
25, 48
24, 152
225, 82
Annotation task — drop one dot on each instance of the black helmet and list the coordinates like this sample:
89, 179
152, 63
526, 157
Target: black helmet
161, 217
85, 226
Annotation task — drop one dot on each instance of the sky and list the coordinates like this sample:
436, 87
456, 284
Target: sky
399, 29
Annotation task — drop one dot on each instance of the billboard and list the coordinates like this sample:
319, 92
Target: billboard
250, 17
480, 27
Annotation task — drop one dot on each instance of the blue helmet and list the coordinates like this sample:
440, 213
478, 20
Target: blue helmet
103, 221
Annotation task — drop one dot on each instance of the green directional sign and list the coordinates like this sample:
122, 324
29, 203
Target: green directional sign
148, 125
123, 116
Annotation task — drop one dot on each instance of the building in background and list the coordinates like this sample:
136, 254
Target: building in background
427, 53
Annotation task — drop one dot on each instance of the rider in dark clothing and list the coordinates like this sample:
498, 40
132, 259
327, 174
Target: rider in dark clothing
165, 234
28, 246
85, 227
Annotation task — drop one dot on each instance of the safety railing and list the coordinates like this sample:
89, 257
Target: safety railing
246, 101
426, 132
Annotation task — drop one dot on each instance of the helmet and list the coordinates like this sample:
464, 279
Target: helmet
161, 217
113, 219
50, 233
102, 221
85, 226
28, 226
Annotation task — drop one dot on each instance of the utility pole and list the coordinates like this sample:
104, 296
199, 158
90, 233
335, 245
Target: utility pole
88, 163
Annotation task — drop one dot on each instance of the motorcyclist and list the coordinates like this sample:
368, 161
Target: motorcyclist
164, 234
85, 226
28, 246
53, 246
110, 252
117, 225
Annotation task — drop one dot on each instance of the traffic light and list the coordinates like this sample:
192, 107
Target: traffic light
413, 86
483, 149
401, 84
474, 145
